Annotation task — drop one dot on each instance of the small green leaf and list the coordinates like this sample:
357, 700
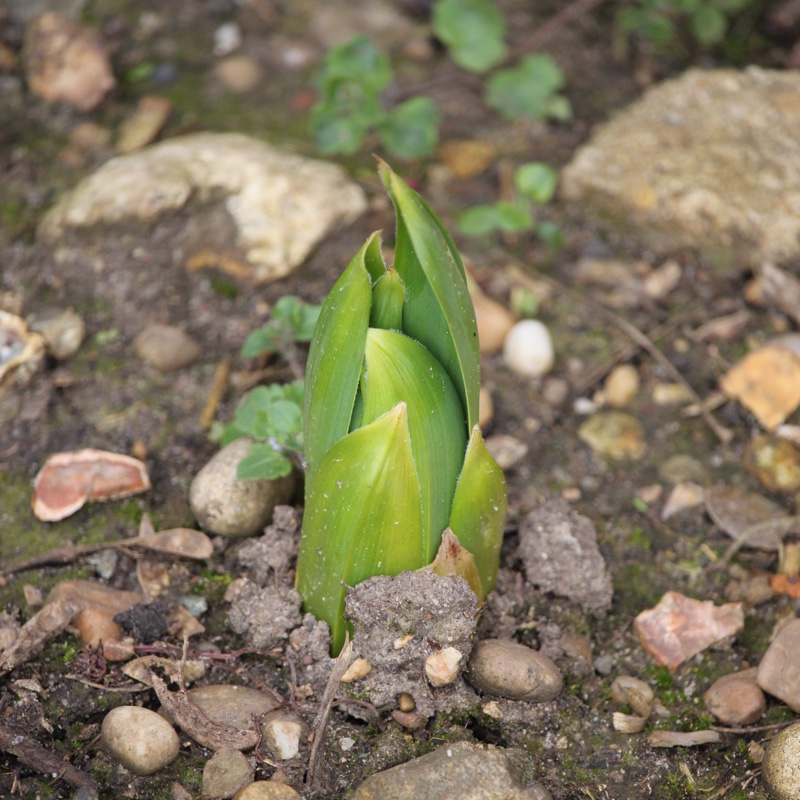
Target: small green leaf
550, 234
479, 509
514, 217
262, 340
479, 220
362, 517
388, 298
284, 418
263, 462
537, 181
473, 30
708, 25
525, 91
411, 129
356, 60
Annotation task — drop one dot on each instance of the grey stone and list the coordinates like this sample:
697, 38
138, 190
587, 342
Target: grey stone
514, 671
282, 204
559, 551
707, 161
460, 771
225, 773
779, 670
228, 506
780, 770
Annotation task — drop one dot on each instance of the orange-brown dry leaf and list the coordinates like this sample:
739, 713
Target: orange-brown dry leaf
454, 559
785, 584
68, 480
767, 383
466, 158
680, 627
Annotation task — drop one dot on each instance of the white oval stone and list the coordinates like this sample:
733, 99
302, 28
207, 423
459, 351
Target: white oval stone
139, 739
528, 349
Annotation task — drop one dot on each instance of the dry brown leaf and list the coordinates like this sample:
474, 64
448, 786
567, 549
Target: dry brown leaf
767, 383
735, 511
68, 480
680, 739
181, 542
453, 559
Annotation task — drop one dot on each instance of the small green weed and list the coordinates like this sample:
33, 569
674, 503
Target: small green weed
535, 186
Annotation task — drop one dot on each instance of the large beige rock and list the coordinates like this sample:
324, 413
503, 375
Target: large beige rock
282, 204
707, 161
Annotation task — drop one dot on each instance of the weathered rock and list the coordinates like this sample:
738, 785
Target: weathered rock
775, 462
781, 764
139, 739
460, 771
680, 166
779, 670
559, 551
629, 691
506, 450
265, 615
228, 704
228, 506
21, 351
63, 331
282, 733
225, 773
65, 61
398, 623
267, 790
621, 386
615, 434
166, 347
442, 666
282, 204
512, 670
736, 699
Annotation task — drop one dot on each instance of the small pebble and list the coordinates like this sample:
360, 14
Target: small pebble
629, 691
603, 665
621, 386
346, 743
779, 769
267, 790
506, 450
358, 669
228, 506
511, 670
681, 468
441, 667
736, 699
775, 462
225, 773
615, 434
528, 349
410, 720
139, 739
167, 348
485, 407
494, 322
627, 723
406, 702
228, 704
282, 731
239, 73
63, 331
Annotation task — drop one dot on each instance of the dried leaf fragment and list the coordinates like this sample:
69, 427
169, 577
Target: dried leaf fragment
68, 480
679, 627
680, 739
453, 559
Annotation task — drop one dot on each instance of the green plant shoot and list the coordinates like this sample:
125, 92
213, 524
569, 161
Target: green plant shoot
394, 452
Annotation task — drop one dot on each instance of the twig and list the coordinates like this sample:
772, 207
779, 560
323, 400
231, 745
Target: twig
723, 790
752, 728
780, 527
221, 375
14, 740
140, 687
321, 721
552, 26
632, 332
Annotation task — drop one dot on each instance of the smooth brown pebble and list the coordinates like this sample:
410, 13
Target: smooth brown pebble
485, 407
139, 739
96, 626
225, 773
167, 348
267, 790
736, 699
239, 73
228, 704
779, 770
779, 671
621, 386
511, 670
493, 321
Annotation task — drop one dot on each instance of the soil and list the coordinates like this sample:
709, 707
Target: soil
120, 279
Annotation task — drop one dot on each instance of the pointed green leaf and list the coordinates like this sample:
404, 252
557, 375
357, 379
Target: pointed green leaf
373, 257
388, 297
438, 311
399, 369
479, 509
335, 359
362, 517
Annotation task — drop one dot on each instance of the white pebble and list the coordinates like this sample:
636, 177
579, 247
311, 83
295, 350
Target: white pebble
442, 667
139, 739
528, 349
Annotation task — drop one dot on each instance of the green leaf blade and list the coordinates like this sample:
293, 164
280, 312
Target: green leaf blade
398, 369
411, 129
438, 312
526, 90
479, 509
362, 517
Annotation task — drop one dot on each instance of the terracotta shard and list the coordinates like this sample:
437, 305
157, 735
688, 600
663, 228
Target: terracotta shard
68, 480
679, 627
